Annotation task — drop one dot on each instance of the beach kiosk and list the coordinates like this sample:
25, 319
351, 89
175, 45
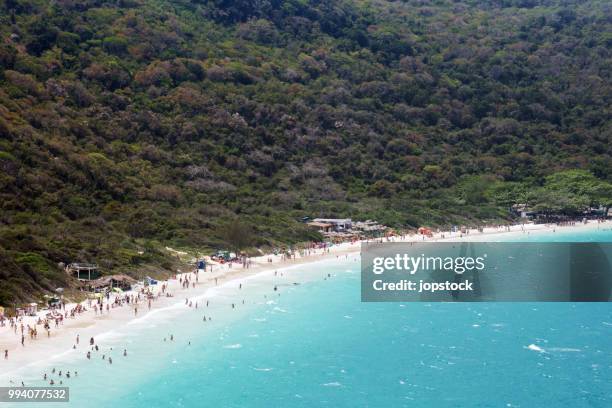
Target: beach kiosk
31, 309
425, 231
110, 282
83, 271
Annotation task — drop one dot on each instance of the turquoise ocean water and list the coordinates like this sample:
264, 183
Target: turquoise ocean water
315, 344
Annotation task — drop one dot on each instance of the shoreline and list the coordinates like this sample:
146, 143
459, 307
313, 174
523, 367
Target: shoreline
89, 324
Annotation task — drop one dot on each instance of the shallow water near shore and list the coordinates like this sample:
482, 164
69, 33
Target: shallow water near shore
313, 343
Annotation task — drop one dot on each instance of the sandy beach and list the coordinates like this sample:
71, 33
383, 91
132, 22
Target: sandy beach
89, 324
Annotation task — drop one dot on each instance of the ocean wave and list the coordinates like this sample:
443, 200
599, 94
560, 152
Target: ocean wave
332, 384
565, 349
533, 347
233, 346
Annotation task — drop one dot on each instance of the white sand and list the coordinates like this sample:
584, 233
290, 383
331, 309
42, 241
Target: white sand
88, 324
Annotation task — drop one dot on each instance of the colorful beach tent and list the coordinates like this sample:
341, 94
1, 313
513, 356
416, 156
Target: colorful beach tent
425, 231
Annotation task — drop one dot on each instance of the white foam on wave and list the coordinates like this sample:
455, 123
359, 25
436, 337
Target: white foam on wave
565, 349
332, 384
533, 347
233, 346
262, 369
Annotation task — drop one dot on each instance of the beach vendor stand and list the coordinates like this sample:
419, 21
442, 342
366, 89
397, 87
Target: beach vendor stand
31, 309
425, 231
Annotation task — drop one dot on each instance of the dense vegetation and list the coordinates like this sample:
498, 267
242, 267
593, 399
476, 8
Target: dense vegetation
129, 125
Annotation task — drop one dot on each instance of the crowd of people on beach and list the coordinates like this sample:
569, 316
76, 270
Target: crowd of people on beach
108, 301
56, 317
58, 377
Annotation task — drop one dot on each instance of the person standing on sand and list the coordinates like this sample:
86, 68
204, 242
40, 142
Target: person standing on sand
6, 354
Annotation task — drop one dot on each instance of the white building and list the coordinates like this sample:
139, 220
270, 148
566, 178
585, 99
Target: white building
338, 224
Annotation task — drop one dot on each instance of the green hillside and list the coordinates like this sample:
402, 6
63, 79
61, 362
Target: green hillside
127, 126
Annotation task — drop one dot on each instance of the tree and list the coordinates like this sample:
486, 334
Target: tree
236, 234
550, 201
581, 183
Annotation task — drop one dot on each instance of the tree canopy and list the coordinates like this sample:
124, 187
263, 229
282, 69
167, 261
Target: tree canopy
126, 126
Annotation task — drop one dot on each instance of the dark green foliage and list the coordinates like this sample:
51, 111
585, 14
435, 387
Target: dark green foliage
126, 126
236, 234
